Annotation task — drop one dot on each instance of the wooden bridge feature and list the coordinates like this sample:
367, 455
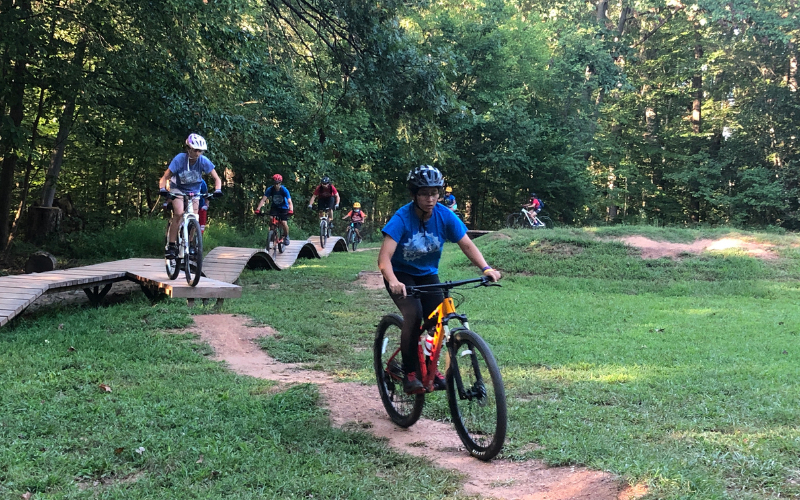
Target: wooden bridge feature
221, 267
18, 292
227, 263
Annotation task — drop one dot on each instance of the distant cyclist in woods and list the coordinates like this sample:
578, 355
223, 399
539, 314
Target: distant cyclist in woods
281, 205
449, 200
410, 253
535, 206
357, 218
327, 198
184, 175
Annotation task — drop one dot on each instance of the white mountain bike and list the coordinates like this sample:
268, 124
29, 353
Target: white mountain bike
190, 242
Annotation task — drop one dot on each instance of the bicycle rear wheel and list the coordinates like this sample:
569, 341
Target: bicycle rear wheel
476, 395
323, 233
404, 409
280, 240
173, 266
194, 256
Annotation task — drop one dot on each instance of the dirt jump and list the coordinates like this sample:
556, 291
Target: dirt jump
355, 406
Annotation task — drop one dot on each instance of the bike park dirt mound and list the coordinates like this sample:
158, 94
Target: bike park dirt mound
652, 249
354, 406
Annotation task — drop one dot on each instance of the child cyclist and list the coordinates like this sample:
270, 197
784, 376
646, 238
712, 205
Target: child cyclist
410, 253
449, 200
281, 204
357, 218
184, 174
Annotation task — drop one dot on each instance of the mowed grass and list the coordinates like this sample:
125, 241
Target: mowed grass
118, 403
678, 374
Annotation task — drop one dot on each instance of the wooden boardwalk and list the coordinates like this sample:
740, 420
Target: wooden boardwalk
227, 263
221, 267
18, 292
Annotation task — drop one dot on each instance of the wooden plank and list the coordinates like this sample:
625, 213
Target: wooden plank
12, 306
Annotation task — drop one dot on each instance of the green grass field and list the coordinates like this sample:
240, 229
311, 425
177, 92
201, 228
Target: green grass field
681, 374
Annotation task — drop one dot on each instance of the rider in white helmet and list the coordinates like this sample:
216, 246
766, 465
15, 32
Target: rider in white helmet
184, 174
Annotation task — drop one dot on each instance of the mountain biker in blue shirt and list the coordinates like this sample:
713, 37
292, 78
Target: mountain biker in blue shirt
449, 200
281, 205
410, 253
184, 174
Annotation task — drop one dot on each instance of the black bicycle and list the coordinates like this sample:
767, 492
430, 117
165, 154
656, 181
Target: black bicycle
351, 238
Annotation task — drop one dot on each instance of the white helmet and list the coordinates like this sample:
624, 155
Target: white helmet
195, 141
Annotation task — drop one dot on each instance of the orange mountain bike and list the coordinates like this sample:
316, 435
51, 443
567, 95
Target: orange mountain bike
475, 391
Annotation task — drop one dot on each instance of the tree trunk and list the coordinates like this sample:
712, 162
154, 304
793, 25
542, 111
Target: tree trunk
9, 150
64, 128
697, 87
26, 183
791, 75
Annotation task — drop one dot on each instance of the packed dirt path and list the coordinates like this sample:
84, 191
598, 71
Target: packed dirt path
652, 249
358, 407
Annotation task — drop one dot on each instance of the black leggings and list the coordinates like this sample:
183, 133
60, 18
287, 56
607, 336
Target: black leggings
413, 311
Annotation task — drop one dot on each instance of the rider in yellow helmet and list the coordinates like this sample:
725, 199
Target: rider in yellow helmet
357, 217
449, 200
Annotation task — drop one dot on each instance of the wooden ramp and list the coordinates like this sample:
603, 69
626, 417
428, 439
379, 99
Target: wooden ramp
332, 244
18, 292
227, 263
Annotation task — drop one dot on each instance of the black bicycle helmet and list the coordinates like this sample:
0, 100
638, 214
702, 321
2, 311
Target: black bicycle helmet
326, 180
424, 176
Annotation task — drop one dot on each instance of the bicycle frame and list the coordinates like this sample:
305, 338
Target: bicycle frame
530, 217
188, 213
438, 321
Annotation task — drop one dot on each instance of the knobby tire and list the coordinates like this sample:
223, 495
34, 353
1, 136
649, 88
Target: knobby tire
404, 409
173, 266
323, 233
476, 395
194, 253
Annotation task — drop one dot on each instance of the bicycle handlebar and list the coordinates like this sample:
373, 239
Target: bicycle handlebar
190, 195
448, 285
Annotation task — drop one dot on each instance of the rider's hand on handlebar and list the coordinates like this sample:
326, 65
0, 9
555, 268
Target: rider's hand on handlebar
311, 207
290, 212
493, 274
257, 211
218, 193
163, 192
336, 207
397, 288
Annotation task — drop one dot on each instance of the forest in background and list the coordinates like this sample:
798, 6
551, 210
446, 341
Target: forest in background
648, 111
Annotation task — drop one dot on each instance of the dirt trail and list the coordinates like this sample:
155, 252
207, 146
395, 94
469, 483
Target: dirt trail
356, 406
652, 249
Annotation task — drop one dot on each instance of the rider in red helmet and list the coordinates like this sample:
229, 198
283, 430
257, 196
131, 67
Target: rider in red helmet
281, 205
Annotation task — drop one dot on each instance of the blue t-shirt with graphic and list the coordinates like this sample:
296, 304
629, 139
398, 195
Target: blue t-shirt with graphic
187, 177
278, 197
419, 250
449, 200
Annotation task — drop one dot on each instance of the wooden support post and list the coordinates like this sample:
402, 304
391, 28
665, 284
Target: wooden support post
190, 302
96, 295
151, 293
218, 305
205, 302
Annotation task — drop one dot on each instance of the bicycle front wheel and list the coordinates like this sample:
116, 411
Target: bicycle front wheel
354, 244
404, 409
323, 233
476, 395
513, 221
173, 266
194, 256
